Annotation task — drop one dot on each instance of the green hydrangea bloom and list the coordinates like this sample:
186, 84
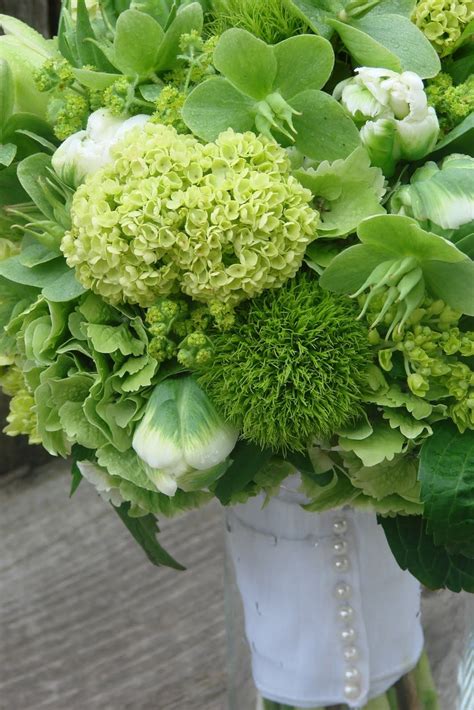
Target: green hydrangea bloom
220, 222
443, 21
22, 418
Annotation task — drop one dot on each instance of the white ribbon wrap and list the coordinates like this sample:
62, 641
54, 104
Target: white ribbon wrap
330, 617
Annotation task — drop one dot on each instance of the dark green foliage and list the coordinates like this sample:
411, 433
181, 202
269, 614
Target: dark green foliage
292, 366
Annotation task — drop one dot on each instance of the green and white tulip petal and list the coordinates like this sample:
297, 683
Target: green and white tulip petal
182, 436
440, 198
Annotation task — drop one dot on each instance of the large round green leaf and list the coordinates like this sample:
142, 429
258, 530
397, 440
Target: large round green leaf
324, 130
214, 106
304, 62
247, 62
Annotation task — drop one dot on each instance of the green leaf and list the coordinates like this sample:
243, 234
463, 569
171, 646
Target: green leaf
144, 530
29, 171
349, 190
303, 62
434, 566
351, 268
86, 51
247, 460
38, 276
382, 445
214, 106
364, 50
324, 130
7, 92
317, 13
396, 477
393, 7
96, 80
76, 478
459, 140
65, 288
404, 40
111, 339
136, 44
447, 485
188, 18
338, 493
7, 154
454, 283
247, 62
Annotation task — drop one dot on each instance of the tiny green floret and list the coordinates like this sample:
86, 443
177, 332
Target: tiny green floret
291, 368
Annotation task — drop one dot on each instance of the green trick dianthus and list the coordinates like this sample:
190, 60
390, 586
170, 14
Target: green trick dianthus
291, 368
271, 20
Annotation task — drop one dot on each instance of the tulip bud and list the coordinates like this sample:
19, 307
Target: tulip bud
393, 111
181, 437
87, 151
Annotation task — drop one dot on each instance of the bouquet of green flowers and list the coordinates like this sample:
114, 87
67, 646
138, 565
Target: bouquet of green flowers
236, 244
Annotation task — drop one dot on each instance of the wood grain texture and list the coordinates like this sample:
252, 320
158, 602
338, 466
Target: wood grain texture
35, 12
86, 623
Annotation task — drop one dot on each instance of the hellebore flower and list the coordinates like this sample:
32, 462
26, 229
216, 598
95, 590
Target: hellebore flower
440, 198
87, 151
393, 113
182, 438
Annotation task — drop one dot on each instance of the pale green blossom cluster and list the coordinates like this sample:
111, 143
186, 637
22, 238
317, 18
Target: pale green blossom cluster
220, 221
443, 21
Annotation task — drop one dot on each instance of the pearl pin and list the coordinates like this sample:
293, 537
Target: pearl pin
351, 691
340, 547
351, 653
346, 613
352, 674
348, 635
342, 591
340, 526
341, 564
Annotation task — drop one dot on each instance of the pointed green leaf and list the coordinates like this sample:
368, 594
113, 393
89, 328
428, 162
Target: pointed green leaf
214, 106
324, 130
247, 460
364, 50
304, 62
7, 154
29, 171
7, 92
247, 62
459, 140
144, 530
189, 18
317, 13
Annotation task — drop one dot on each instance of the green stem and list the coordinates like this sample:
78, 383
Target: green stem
392, 699
425, 684
380, 703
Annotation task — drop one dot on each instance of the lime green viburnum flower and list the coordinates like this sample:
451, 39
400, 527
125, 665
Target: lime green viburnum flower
443, 21
220, 222
392, 111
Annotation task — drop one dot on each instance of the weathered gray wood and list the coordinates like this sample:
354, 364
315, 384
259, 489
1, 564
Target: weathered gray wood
35, 12
86, 623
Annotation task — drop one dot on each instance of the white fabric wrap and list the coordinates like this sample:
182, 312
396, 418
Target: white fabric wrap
330, 617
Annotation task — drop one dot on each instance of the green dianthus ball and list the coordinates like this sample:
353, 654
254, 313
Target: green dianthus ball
220, 222
292, 367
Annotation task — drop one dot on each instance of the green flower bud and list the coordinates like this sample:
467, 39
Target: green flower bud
181, 436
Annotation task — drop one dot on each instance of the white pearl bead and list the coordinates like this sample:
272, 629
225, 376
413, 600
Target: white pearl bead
341, 564
352, 674
342, 591
351, 691
351, 653
346, 612
340, 526
340, 547
348, 635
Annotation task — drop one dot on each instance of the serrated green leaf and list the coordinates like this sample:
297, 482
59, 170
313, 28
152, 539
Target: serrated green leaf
435, 566
447, 484
382, 445
144, 530
247, 460
110, 339
396, 477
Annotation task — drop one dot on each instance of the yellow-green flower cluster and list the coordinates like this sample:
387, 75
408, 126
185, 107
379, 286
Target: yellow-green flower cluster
443, 21
220, 222
437, 358
22, 416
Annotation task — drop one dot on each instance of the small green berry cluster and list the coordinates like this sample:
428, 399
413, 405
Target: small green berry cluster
435, 352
